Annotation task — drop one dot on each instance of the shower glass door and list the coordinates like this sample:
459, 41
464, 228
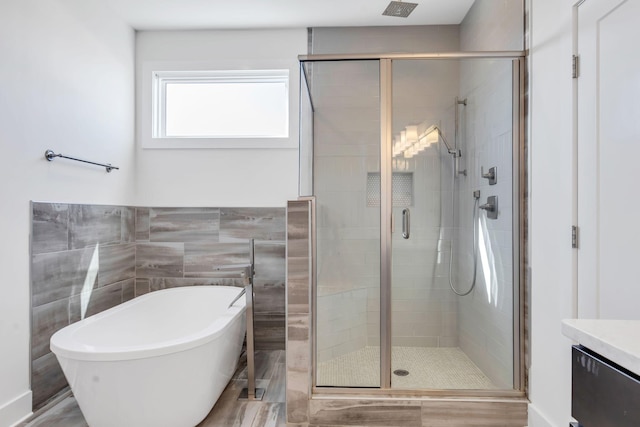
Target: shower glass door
345, 99
413, 164
452, 120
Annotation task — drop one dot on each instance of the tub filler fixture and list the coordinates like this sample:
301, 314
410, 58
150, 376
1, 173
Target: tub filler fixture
161, 359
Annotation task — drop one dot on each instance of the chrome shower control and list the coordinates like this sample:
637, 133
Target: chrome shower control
491, 207
492, 175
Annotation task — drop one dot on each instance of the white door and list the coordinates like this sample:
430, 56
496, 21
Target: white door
609, 159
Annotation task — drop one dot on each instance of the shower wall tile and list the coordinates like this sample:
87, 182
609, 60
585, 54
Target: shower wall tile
270, 261
92, 224
47, 379
241, 224
128, 225
46, 320
201, 258
59, 275
174, 282
184, 224
269, 331
159, 260
50, 227
142, 286
210, 281
116, 263
142, 224
298, 322
98, 300
128, 290
270, 278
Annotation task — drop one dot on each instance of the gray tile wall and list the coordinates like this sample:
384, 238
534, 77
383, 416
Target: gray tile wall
76, 250
119, 252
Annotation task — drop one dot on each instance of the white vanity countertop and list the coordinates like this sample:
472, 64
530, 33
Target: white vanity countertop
616, 340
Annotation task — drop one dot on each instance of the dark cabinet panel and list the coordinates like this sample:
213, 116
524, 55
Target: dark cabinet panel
603, 393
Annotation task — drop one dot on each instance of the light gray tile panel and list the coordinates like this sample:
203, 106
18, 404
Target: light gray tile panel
201, 258
60, 275
184, 224
47, 379
128, 224
117, 263
142, 224
50, 227
99, 300
159, 260
241, 224
46, 320
91, 224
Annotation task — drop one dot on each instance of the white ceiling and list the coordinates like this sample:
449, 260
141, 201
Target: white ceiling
237, 14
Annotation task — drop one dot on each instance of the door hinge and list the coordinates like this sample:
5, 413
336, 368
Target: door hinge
575, 67
574, 236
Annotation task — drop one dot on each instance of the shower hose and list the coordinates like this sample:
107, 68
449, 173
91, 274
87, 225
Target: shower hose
475, 236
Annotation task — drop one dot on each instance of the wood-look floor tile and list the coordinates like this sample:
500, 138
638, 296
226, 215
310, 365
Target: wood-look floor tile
65, 414
265, 361
276, 392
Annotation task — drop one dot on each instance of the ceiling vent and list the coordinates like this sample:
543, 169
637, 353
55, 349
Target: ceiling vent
399, 9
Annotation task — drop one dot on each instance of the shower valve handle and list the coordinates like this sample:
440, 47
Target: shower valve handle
492, 175
491, 207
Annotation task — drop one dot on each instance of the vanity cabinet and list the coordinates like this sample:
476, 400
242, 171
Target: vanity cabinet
603, 394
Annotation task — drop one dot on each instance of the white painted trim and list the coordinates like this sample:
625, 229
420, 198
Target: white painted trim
16, 411
536, 419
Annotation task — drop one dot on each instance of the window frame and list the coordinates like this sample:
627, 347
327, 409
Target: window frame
153, 107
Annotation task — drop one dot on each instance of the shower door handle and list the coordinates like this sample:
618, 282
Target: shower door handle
406, 223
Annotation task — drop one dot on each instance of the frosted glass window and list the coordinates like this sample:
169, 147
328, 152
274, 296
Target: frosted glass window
222, 104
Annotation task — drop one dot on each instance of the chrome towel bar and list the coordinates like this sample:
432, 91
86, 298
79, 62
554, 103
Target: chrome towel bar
49, 155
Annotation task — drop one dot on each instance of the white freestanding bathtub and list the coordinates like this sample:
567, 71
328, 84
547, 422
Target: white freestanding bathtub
161, 359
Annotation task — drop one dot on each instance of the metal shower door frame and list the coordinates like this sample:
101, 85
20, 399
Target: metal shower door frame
386, 206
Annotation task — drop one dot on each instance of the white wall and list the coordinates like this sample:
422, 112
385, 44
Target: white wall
67, 84
550, 211
218, 177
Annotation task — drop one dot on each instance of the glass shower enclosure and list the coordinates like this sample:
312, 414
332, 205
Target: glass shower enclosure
415, 165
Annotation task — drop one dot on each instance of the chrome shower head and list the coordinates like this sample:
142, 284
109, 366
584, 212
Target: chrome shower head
399, 9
